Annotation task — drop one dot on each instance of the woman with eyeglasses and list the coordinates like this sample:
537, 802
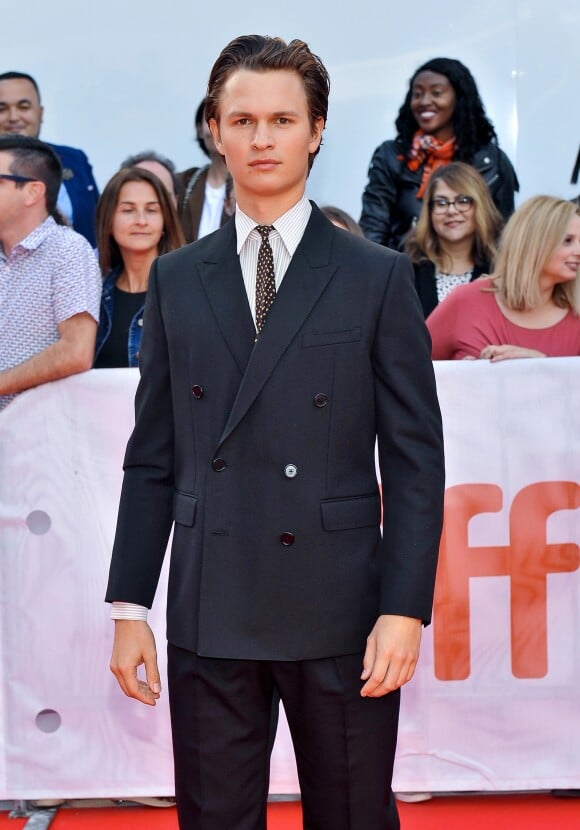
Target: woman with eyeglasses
454, 241
442, 119
529, 305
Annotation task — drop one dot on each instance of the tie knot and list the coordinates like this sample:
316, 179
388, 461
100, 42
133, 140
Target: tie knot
264, 231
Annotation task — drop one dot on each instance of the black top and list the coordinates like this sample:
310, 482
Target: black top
115, 353
426, 284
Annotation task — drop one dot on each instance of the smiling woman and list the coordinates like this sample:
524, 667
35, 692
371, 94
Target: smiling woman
136, 221
454, 241
529, 306
442, 119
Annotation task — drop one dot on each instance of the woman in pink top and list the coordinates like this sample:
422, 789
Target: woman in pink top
530, 304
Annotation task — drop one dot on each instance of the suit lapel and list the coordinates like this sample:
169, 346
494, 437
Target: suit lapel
307, 276
222, 280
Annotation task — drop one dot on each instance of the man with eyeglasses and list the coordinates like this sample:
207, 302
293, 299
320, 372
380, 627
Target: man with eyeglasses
50, 283
21, 113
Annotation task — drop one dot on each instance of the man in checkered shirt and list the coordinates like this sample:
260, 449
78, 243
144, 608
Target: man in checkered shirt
50, 283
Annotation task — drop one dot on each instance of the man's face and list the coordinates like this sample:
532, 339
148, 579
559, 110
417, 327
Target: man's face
20, 110
265, 134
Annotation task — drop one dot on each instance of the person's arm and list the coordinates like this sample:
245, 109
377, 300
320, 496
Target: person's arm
145, 509
441, 325
73, 352
378, 198
410, 446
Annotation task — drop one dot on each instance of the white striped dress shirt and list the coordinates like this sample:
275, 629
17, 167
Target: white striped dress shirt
284, 239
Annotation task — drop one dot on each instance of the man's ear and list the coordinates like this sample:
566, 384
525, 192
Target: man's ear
215, 131
34, 192
317, 130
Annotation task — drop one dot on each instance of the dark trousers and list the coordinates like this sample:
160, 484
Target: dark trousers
223, 721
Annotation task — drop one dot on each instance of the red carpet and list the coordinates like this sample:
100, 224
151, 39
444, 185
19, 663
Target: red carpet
495, 812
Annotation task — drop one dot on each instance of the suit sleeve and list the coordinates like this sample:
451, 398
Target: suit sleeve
410, 446
145, 510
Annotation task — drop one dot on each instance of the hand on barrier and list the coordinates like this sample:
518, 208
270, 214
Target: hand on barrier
507, 352
134, 646
391, 654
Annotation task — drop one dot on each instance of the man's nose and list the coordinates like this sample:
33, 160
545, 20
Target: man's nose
262, 136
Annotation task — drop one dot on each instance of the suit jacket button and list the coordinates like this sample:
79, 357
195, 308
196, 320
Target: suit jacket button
290, 470
218, 464
320, 400
287, 539
197, 391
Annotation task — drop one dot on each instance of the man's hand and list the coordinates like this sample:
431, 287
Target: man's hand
391, 654
135, 646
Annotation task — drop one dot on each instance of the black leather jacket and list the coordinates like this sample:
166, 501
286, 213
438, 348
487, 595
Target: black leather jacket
390, 205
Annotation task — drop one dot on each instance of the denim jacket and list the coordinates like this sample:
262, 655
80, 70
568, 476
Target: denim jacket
106, 320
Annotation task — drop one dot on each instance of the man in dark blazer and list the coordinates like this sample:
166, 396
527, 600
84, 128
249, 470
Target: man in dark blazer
257, 440
21, 113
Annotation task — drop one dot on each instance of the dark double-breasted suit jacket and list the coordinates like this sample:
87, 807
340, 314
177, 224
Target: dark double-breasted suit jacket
263, 453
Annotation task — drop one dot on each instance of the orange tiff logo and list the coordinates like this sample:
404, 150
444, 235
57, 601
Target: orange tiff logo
526, 560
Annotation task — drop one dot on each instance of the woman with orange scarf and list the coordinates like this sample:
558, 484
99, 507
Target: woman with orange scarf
441, 120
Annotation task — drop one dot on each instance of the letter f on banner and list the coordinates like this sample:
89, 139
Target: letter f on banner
527, 561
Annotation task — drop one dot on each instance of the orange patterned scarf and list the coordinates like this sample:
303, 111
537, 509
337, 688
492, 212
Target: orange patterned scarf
431, 153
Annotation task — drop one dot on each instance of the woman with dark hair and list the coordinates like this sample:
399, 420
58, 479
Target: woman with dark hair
442, 119
454, 240
136, 222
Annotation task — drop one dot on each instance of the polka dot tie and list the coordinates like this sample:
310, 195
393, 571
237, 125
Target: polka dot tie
265, 282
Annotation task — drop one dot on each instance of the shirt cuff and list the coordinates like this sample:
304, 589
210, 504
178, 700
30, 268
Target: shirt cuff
128, 611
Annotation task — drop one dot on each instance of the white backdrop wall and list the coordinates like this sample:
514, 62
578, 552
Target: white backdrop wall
120, 77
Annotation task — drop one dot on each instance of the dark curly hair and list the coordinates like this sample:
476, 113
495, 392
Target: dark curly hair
473, 129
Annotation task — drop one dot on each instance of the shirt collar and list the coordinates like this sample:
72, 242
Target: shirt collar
36, 237
291, 225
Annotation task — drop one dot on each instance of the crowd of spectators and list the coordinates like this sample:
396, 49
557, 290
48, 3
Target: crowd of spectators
74, 266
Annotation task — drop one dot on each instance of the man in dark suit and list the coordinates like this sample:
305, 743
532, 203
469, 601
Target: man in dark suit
276, 352
21, 114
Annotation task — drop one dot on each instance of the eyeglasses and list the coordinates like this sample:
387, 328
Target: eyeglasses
9, 177
461, 203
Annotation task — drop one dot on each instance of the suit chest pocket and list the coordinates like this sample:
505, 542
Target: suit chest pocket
331, 338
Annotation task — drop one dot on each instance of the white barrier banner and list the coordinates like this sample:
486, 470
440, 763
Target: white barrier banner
495, 702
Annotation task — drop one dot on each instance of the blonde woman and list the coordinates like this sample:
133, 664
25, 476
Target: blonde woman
529, 305
455, 239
